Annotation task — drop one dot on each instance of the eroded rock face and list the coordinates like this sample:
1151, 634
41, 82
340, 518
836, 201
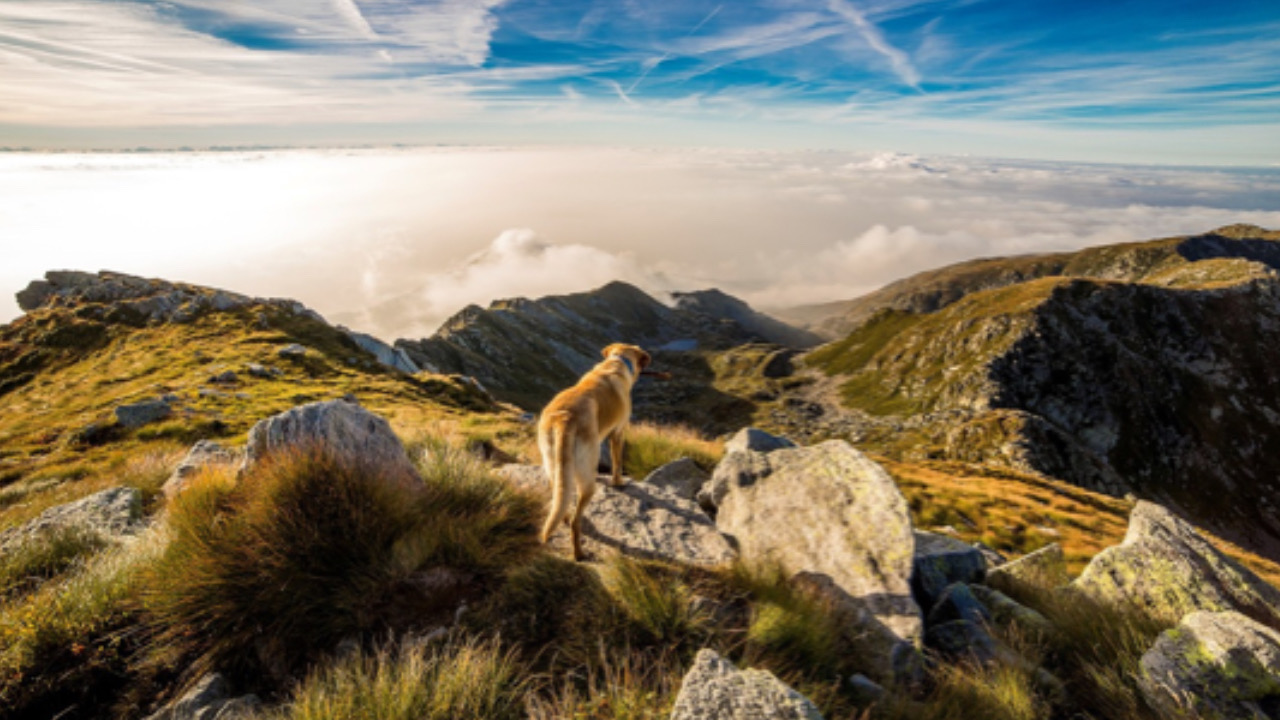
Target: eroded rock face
714, 689
338, 426
109, 514
1223, 665
828, 509
1165, 567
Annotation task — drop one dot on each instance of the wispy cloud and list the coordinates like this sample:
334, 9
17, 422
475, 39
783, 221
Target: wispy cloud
350, 11
898, 59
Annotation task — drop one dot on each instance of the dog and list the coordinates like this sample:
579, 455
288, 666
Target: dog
574, 424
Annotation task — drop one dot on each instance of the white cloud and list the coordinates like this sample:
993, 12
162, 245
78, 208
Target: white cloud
874, 37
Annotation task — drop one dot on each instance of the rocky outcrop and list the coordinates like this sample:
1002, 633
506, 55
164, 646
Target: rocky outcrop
714, 689
714, 303
1222, 666
756, 440
209, 699
107, 514
340, 427
142, 413
940, 561
829, 510
1045, 568
392, 357
1166, 568
682, 478
640, 520
204, 453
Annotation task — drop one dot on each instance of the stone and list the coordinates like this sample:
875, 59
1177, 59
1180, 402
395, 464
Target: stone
1005, 610
756, 440
1166, 568
865, 691
734, 469
225, 377
1045, 568
292, 350
202, 454
940, 561
111, 513
964, 640
142, 413
209, 699
37, 293
392, 357
829, 510
262, 371
639, 520
991, 555
340, 427
958, 602
714, 689
682, 477
1220, 665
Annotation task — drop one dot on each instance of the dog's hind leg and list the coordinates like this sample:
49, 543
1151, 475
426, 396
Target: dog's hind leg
584, 474
559, 468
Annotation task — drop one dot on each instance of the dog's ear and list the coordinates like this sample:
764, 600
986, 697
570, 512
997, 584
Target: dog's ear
644, 359
608, 350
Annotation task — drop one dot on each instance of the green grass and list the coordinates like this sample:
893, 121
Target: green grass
650, 446
463, 679
46, 556
309, 550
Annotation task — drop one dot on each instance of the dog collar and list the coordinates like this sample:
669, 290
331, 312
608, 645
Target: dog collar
630, 368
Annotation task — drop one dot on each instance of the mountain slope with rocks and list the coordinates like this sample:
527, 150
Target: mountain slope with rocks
1157, 376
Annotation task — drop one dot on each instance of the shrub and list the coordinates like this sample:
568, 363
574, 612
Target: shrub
470, 679
311, 549
649, 447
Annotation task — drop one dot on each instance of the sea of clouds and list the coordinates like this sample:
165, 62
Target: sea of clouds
395, 241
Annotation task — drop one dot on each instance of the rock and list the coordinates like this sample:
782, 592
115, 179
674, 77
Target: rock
293, 350
203, 453
994, 559
1166, 568
734, 469
142, 413
227, 377
1044, 568
829, 510
343, 428
865, 691
209, 700
640, 521
37, 293
940, 561
94, 434
714, 689
110, 513
1006, 610
683, 478
392, 357
1219, 665
262, 371
964, 639
958, 602
756, 440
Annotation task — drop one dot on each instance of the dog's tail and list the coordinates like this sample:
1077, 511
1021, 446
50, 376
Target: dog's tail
560, 473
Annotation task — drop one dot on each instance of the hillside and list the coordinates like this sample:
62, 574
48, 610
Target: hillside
1148, 368
934, 289
524, 351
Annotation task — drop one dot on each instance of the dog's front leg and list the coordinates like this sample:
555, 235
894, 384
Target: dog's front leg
615, 455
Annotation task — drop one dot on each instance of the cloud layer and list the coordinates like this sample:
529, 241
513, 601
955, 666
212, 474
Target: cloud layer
395, 241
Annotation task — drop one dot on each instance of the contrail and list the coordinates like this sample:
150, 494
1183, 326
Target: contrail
898, 59
350, 12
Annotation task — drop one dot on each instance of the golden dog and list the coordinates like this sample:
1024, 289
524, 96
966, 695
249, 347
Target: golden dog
573, 425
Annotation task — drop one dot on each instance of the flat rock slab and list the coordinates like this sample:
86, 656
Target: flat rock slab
638, 520
1166, 568
1223, 665
714, 689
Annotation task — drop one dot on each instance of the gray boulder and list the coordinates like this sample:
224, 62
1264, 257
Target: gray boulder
1044, 568
392, 357
735, 469
829, 510
202, 454
639, 520
756, 440
1222, 666
940, 561
714, 689
682, 478
1166, 568
958, 602
210, 699
142, 413
340, 427
109, 514
1005, 610
962, 639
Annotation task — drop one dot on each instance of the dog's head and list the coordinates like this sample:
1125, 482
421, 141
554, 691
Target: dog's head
639, 358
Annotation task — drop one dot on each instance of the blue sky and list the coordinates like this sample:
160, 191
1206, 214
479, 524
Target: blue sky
1125, 80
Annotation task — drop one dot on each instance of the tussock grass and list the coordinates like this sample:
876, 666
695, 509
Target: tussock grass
657, 600
790, 630
650, 446
465, 679
620, 685
46, 556
312, 549
963, 692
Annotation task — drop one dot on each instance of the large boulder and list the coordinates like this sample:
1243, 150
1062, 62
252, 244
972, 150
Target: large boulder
743, 461
639, 520
1166, 568
209, 699
109, 514
829, 510
142, 413
1045, 568
682, 478
940, 561
714, 689
1222, 666
756, 440
203, 454
338, 426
